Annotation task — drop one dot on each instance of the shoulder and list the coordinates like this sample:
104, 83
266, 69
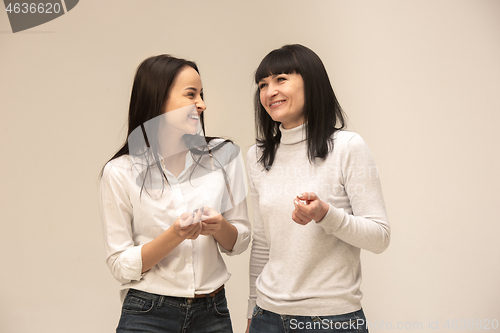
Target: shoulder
117, 168
350, 147
347, 140
253, 154
254, 167
224, 150
343, 136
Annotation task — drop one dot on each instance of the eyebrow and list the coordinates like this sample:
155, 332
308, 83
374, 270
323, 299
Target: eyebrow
272, 75
192, 88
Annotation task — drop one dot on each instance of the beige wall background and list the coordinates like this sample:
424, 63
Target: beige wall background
419, 80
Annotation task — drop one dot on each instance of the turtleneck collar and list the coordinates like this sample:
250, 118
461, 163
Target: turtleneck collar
293, 135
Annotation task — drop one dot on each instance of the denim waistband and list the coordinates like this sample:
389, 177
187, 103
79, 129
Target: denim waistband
175, 299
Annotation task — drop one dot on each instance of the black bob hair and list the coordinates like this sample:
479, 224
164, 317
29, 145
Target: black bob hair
322, 112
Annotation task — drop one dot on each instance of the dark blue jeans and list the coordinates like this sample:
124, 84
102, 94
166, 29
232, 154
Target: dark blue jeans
264, 321
145, 312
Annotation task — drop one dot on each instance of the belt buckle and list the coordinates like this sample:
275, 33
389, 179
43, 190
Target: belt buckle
190, 301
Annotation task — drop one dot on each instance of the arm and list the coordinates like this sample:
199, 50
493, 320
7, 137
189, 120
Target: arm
259, 255
232, 227
216, 225
367, 227
126, 260
122, 256
162, 245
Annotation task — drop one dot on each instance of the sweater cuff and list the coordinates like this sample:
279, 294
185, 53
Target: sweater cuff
251, 305
332, 220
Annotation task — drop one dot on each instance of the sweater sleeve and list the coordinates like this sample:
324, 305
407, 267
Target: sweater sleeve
259, 255
367, 227
122, 256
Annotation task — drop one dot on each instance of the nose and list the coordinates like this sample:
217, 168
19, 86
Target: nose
200, 105
271, 91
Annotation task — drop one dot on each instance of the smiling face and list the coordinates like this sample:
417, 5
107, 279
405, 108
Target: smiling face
184, 102
282, 96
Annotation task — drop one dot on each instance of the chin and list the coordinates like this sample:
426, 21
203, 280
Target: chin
192, 131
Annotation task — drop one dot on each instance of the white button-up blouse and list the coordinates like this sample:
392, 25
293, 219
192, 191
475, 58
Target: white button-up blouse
131, 218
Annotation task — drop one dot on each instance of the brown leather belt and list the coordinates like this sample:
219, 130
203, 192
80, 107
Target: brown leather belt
212, 294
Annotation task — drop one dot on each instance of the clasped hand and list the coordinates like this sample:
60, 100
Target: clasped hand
308, 207
204, 221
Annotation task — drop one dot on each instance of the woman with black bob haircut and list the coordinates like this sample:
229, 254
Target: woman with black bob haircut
322, 112
171, 200
317, 201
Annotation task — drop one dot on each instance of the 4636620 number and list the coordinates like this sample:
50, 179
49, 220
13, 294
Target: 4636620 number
32, 8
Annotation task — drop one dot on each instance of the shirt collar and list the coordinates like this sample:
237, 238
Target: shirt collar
187, 165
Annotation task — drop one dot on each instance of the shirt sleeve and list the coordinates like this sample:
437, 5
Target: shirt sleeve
259, 255
237, 215
368, 226
123, 258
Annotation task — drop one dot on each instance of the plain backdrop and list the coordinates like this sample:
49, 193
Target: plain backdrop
418, 79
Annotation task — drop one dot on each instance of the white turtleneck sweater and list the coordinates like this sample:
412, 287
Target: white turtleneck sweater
314, 269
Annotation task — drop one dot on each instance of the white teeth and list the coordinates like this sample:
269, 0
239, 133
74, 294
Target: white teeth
278, 102
194, 117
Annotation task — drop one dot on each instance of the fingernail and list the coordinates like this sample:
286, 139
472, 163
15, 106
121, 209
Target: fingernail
192, 215
202, 208
196, 210
301, 196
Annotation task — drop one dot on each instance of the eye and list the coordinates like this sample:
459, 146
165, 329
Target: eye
281, 78
262, 85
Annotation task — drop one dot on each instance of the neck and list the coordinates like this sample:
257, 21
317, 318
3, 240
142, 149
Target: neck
174, 157
293, 135
171, 144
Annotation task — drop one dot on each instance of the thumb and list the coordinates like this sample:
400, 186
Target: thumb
184, 215
187, 220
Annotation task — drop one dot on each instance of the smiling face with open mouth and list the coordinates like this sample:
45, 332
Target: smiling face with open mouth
282, 96
185, 104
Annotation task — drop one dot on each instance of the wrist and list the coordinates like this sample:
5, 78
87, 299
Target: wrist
175, 234
224, 224
323, 211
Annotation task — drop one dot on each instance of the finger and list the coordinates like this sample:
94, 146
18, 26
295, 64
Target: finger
198, 231
302, 216
206, 226
190, 229
212, 220
184, 223
299, 201
303, 208
193, 230
310, 196
296, 219
205, 210
204, 230
197, 215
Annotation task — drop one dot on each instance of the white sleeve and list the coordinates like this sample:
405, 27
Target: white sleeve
122, 256
238, 215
